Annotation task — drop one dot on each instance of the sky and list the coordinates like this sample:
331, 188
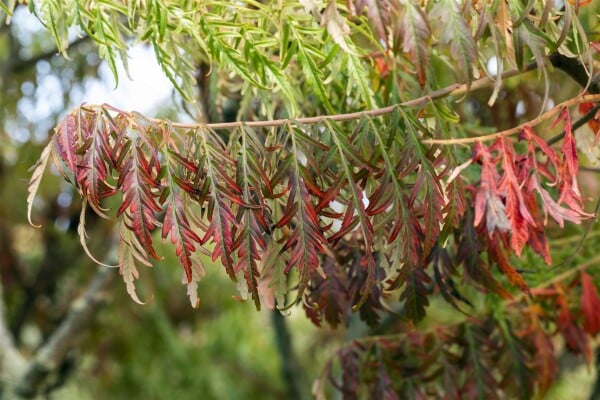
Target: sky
144, 90
147, 88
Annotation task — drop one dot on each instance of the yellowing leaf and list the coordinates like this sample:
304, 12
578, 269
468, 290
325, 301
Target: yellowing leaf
36, 178
337, 26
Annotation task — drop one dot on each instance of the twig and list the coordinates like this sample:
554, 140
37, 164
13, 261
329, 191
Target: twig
589, 169
591, 98
451, 90
53, 352
560, 277
578, 124
22, 65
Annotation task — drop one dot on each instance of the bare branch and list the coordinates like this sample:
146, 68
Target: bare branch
23, 65
53, 352
455, 89
12, 361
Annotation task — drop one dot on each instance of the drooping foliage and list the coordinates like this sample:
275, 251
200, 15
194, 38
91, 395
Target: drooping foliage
351, 183
508, 353
347, 190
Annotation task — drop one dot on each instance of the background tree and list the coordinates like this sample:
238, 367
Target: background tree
363, 173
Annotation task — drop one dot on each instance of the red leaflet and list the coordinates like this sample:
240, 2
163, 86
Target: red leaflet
497, 254
469, 255
95, 160
590, 305
534, 173
569, 192
306, 239
552, 208
417, 286
176, 226
405, 235
251, 245
488, 201
510, 201
220, 230
432, 208
515, 206
580, 3
455, 208
535, 141
68, 139
544, 360
139, 186
327, 298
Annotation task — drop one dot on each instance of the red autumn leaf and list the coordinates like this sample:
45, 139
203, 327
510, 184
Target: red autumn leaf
68, 140
381, 66
590, 305
176, 225
433, 204
569, 192
380, 14
537, 237
416, 289
455, 207
488, 202
414, 32
498, 255
96, 159
564, 175
222, 219
327, 298
139, 185
515, 206
305, 241
552, 208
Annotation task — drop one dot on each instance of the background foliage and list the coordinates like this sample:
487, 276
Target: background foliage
395, 155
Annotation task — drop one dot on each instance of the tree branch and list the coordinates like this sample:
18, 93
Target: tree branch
591, 98
23, 65
49, 357
578, 124
453, 90
571, 67
576, 70
289, 365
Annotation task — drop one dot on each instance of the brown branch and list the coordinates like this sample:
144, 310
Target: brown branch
49, 357
453, 90
571, 67
23, 65
578, 124
592, 98
589, 169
